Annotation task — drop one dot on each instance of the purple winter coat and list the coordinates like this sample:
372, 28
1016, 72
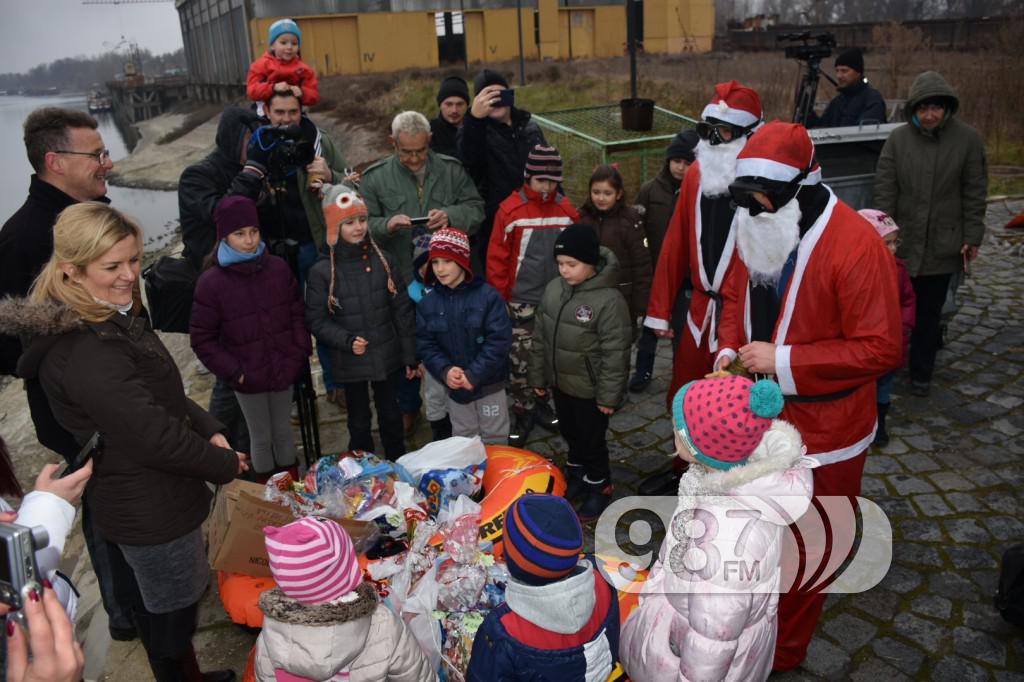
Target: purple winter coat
248, 320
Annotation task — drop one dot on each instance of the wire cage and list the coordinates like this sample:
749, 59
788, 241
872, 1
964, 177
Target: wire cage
590, 136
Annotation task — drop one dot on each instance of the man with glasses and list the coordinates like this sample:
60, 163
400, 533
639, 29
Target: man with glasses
699, 246
71, 163
412, 192
932, 178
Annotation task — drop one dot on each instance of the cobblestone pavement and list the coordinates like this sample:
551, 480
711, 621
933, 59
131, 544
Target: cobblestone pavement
950, 481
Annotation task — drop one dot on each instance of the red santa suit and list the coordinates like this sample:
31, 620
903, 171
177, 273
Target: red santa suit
837, 331
683, 258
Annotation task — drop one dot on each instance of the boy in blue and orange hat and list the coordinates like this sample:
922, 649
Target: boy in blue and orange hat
560, 618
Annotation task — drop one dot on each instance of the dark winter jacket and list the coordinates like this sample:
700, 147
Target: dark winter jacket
566, 630
248, 321
495, 155
582, 337
444, 137
855, 104
658, 198
365, 308
933, 184
116, 377
621, 230
466, 327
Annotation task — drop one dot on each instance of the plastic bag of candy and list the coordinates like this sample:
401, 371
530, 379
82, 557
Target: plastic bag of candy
458, 629
441, 487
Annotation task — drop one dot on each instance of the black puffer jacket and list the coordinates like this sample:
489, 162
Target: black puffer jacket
365, 308
203, 184
658, 198
495, 155
116, 377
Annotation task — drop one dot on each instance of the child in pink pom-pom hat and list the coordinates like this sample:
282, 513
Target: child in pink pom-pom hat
322, 622
708, 609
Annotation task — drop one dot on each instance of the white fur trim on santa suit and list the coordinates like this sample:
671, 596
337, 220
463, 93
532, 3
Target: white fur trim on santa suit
723, 112
710, 323
774, 170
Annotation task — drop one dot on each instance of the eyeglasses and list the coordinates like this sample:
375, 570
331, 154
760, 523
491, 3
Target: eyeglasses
101, 157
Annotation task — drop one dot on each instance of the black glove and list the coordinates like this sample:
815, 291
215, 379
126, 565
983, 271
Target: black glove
261, 145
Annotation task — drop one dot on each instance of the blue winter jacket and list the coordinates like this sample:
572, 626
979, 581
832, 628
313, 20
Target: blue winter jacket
566, 631
466, 327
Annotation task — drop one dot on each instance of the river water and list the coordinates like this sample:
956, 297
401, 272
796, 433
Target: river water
156, 211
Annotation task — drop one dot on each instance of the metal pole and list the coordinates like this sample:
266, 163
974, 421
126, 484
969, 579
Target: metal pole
631, 41
522, 60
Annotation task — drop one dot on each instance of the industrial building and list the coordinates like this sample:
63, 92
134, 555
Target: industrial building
370, 36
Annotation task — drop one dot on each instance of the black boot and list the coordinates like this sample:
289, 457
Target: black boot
664, 482
522, 425
441, 428
881, 436
599, 496
545, 417
642, 374
573, 481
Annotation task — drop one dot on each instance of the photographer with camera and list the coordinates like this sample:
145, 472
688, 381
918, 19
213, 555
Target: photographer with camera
857, 102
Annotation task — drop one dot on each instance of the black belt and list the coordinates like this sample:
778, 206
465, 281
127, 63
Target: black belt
824, 398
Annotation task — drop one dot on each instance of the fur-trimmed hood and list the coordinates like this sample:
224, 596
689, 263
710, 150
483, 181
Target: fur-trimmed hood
39, 325
279, 606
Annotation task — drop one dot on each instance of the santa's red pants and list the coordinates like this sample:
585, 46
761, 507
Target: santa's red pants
800, 610
691, 362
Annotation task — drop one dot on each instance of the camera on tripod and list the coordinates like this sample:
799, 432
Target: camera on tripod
289, 149
815, 46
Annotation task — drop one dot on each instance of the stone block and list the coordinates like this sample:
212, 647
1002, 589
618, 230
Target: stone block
924, 633
882, 464
947, 481
1004, 527
901, 656
901, 579
850, 632
956, 669
981, 476
908, 485
932, 505
916, 554
925, 531
966, 530
826, 660
874, 670
981, 646
872, 487
952, 586
964, 502
969, 557
877, 603
932, 605
1003, 502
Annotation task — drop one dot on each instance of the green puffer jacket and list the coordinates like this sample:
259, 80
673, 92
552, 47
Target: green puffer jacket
582, 337
389, 189
933, 184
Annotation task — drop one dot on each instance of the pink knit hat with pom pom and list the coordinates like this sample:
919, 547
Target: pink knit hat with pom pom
312, 560
724, 419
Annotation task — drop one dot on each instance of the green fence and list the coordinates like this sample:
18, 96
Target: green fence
591, 136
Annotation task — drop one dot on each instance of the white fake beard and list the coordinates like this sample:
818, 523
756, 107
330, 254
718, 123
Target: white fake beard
717, 166
766, 240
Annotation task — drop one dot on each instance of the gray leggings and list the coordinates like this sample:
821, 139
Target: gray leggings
270, 430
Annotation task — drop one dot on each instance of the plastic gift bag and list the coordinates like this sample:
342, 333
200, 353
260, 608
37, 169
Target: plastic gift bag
451, 453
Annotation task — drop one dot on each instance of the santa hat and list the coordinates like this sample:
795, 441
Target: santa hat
453, 244
312, 560
779, 151
340, 203
880, 220
734, 103
722, 420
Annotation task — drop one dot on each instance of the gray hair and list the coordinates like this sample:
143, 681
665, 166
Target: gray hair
410, 123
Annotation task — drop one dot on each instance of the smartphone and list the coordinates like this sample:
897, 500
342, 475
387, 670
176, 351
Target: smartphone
92, 447
506, 98
419, 221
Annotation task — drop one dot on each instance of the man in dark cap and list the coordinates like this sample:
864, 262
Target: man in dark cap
857, 102
494, 141
452, 103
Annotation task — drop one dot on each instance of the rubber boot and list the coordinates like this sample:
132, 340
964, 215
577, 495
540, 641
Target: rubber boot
441, 429
598, 497
574, 486
881, 436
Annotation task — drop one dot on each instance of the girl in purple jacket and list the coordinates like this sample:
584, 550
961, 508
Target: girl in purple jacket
248, 328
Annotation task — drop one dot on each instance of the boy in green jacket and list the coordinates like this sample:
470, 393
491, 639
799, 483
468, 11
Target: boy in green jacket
581, 348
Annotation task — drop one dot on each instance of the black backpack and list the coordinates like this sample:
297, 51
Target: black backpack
1009, 598
170, 284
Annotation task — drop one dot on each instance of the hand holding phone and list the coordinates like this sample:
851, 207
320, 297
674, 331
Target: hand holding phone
419, 221
506, 98
91, 448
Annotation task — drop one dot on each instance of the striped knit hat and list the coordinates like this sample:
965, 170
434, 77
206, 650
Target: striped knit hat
544, 163
312, 560
453, 244
543, 539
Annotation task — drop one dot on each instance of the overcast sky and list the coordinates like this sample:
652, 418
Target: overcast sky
41, 31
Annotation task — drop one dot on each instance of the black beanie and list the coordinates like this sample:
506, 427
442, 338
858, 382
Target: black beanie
578, 241
488, 77
682, 146
453, 86
852, 58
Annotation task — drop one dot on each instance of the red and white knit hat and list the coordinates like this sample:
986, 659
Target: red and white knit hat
312, 560
779, 151
453, 244
734, 103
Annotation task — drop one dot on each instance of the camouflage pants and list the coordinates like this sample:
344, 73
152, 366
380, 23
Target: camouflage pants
521, 396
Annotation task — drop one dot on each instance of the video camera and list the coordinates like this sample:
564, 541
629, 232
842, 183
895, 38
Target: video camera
816, 46
289, 148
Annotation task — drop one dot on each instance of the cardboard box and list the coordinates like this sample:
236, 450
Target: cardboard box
236, 528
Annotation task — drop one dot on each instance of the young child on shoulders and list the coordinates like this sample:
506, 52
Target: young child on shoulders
463, 336
560, 617
435, 393
889, 231
581, 349
281, 68
519, 266
748, 480
322, 622
358, 306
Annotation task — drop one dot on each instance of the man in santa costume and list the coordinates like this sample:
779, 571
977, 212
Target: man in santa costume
812, 300
699, 247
